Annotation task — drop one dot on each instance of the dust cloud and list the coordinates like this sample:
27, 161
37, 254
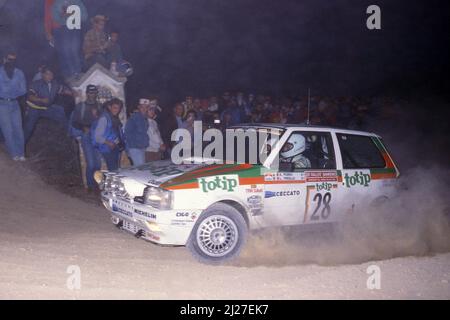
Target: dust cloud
415, 222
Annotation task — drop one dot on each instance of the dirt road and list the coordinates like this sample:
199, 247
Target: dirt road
43, 232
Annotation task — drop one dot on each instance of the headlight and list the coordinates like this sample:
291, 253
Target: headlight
99, 177
108, 182
158, 198
113, 184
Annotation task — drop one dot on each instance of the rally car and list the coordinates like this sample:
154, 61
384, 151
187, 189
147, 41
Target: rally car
311, 175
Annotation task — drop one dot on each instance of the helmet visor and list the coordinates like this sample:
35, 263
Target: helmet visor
288, 146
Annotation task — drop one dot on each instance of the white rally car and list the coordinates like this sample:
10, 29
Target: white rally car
211, 208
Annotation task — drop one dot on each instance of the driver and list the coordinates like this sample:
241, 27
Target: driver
292, 152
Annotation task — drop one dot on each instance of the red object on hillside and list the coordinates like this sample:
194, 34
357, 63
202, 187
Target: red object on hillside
49, 23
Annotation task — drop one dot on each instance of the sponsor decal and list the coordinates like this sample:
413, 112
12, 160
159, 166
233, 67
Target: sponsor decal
182, 214
321, 176
145, 214
224, 183
255, 204
358, 178
271, 194
325, 186
115, 208
284, 176
254, 189
189, 218
179, 222
254, 199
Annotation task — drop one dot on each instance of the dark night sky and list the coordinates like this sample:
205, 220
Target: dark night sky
202, 47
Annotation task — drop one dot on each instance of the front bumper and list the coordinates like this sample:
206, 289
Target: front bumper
166, 227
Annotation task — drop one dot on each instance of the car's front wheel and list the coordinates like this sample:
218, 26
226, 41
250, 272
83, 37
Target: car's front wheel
219, 234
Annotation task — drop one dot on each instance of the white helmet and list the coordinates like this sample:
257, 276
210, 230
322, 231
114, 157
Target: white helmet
294, 146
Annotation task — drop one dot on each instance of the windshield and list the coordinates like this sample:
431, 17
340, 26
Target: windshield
251, 145
239, 145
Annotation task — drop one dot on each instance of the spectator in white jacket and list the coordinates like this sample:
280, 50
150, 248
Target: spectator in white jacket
156, 145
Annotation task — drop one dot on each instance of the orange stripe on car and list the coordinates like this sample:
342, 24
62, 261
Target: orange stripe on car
380, 176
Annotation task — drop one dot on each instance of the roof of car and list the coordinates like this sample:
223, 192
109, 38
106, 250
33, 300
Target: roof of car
301, 126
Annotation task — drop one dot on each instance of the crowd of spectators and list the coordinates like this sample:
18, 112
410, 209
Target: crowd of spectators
231, 109
147, 135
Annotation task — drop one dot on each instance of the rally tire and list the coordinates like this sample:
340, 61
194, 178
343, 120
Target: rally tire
219, 235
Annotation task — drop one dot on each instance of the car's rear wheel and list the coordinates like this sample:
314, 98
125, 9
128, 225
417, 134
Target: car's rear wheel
219, 235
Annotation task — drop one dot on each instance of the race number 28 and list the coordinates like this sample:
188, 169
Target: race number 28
322, 209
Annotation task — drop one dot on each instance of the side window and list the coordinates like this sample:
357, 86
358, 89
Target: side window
359, 152
307, 150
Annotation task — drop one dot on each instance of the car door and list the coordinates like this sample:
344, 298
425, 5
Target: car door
366, 172
295, 195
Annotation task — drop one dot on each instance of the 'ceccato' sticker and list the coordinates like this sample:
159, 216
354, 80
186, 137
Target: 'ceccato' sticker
223, 183
358, 178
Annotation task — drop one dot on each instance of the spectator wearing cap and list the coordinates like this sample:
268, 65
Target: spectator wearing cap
86, 112
81, 120
156, 146
136, 133
41, 102
12, 86
67, 42
96, 43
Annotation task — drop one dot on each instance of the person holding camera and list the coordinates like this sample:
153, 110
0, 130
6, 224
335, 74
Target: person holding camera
107, 136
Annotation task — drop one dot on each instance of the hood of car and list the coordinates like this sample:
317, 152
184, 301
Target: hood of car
165, 174
157, 172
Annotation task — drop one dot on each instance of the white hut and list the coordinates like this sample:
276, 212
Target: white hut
109, 86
